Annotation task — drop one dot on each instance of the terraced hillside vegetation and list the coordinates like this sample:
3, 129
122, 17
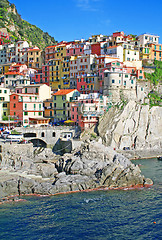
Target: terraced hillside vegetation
20, 29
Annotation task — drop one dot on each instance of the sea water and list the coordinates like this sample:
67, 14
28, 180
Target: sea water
100, 215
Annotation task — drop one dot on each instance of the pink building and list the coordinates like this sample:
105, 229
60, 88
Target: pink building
45, 72
74, 49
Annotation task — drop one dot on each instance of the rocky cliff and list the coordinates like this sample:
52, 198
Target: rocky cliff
135, 126
91, 166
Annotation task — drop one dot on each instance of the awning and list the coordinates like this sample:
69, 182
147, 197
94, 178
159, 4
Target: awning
69, 121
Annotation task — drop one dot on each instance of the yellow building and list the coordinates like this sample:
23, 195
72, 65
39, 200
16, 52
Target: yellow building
55, 73
4, 68
144, 53
59, 70
35, 58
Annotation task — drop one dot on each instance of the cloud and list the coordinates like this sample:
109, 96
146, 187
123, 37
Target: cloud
87, 5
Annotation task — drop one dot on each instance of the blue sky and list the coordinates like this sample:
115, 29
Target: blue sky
75, 19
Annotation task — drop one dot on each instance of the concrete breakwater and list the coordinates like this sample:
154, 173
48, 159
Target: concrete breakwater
91, 166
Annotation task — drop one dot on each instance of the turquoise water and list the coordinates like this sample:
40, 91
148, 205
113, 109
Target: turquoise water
96, 215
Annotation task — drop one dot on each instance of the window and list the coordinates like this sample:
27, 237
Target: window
131, 81
63, 112
14, 97
113, 81
14, 106
25, 113
0, 91
5, 91
42, 134
50, 113
40, 114
26, 90
124, 83
126, 76
25, 106
39, 106
4, 105
34, 106
36, 90
140, 71
53, 134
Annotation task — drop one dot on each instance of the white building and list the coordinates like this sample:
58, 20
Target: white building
41, 90
4, 102
116, 52
115, 82
148, 38
14, 79
21, 51
129, 53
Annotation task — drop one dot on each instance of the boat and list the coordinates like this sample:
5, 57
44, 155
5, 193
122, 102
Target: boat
159, 158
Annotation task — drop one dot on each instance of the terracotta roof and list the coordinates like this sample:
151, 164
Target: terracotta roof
113, 47
51, 46
63, 92
14, 73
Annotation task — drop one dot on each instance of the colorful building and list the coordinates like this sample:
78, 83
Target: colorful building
26, 107
4, 102
35, 58
42, 91
62, 103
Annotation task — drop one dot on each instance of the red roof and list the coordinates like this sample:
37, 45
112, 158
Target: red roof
64, 92
113, 47
51, 46
13, 73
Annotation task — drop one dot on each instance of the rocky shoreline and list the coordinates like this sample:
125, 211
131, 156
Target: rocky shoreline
141, 154
90, 167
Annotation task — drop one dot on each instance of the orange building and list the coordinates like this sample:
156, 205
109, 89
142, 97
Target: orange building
156, 51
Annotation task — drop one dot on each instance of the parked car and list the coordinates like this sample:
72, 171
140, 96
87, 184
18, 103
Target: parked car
23, 141
126, 148
5, 134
